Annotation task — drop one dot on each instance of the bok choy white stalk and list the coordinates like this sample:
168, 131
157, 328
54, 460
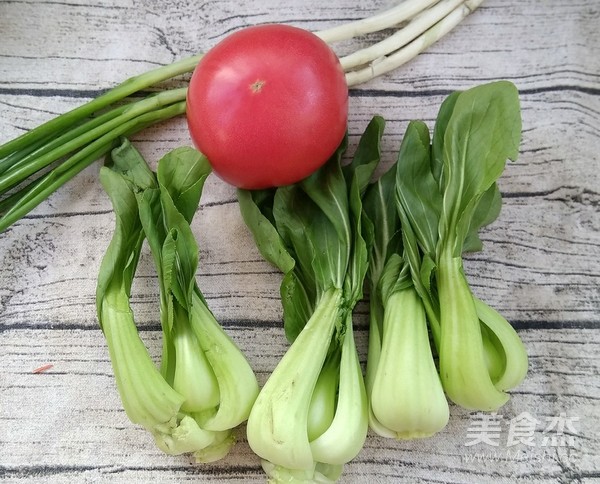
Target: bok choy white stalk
205, 387
311, 416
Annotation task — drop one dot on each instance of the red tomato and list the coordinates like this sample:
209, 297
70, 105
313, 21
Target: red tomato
268, 106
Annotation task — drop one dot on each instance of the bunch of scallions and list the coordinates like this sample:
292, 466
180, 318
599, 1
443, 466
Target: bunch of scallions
38, 162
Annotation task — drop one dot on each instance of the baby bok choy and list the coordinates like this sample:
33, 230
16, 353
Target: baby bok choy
406, 398
446, 191
419, 218
205, 386
311, 416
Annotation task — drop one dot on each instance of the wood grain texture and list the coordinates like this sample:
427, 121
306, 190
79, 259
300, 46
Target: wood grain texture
78, 431
540, 266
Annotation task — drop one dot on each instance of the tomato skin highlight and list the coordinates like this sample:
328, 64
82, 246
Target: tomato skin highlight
268, 106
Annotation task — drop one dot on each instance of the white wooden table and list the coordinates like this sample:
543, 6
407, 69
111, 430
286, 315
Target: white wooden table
540, 266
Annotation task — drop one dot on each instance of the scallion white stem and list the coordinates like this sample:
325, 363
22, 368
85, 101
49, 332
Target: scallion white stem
381, 21
401, 37
414, 48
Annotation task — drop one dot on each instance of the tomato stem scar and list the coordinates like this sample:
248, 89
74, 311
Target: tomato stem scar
257, 85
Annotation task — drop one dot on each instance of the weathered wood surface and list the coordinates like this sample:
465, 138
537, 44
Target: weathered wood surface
540, 266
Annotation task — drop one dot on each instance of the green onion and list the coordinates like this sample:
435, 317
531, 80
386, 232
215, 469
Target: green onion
29, 197
414, 25
126, 88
